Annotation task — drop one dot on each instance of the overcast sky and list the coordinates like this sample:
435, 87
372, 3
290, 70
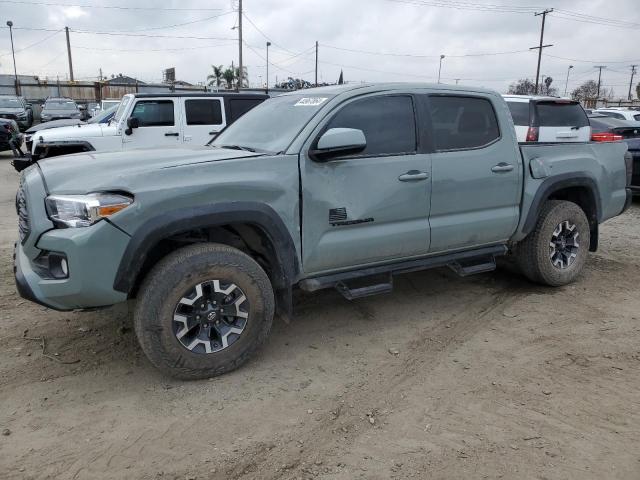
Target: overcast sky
413, 34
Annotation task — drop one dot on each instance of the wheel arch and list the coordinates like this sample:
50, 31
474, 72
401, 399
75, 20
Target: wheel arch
258, 227
580, 188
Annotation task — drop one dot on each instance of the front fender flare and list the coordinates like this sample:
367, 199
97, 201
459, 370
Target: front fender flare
182, 220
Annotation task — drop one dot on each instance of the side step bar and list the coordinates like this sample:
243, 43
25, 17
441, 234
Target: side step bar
464, 263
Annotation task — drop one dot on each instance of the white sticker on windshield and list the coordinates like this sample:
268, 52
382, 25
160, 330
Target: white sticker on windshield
310, 101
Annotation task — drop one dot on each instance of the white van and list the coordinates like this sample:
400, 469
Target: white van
146, 120
548, 119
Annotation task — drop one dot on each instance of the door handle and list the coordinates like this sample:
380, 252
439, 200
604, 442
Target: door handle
172, 134
413, 175
502, 167
213, 132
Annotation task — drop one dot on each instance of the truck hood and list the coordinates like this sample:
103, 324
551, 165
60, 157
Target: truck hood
91, 171
76, 132
64, 122
12, 111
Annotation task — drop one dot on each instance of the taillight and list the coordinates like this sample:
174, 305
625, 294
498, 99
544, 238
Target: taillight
606, 137
532, 134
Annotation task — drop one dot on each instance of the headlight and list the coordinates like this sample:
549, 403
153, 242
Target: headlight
84, 210
23, 115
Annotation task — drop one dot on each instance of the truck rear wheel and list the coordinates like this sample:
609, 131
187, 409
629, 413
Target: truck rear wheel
554, 253
203, 310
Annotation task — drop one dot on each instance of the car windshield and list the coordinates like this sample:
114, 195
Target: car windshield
273, 125
60, 105
102, 115
10, 103
121, 109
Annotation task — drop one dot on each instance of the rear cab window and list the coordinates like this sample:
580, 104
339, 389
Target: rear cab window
461, 123
550, 113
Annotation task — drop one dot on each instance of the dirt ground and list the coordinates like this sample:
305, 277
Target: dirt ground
445, 378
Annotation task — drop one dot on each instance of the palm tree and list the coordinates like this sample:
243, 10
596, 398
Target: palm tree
245, 76
229, 76
217, 76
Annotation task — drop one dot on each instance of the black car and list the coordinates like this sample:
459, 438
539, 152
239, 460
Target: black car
56, 108
6, 127
18, 109
608, 129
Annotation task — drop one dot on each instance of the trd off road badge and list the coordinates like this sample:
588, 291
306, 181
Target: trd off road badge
338, 218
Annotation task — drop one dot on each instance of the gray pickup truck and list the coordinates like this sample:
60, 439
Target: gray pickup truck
338, 187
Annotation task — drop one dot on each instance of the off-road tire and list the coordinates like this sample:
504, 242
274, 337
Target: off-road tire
168, 281
533, 253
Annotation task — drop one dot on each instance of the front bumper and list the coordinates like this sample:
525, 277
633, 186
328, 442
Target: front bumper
93, 255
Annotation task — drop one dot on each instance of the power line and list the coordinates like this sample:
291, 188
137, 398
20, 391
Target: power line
589, 61
414, 55
110, 7
35, 43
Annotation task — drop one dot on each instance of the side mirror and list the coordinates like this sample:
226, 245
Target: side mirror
82, 107
132, 122
338, 141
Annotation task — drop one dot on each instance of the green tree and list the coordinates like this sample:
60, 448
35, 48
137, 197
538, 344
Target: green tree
229, 76
215, 79
524, 86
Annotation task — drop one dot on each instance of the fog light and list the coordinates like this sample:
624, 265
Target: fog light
51, 265
64, 267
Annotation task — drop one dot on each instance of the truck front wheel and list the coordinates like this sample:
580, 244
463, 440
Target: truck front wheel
203, 310
554, 253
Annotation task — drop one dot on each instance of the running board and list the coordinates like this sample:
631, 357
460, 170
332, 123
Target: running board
473, 266
353, 290
464, 263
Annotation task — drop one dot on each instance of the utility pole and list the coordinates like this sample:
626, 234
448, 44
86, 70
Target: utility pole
566, 84
267, 89
15, 71
599, 67
240, 43
66, 29
541, 46
316, 63
457, 80
440, 67
633, 72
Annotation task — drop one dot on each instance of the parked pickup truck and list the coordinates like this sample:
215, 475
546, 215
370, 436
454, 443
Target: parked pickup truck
336, 187
147, 120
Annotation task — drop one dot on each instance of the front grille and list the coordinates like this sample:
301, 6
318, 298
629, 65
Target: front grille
23, 214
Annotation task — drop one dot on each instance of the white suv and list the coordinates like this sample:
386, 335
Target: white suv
620, 113
548, 119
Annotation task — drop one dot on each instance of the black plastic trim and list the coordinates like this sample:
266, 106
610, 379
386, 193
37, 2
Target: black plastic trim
23, 288
331, 280
558, 182
182, 220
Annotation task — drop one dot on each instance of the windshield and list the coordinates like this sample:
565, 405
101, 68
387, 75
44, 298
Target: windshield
121, 109
10, 103
60, 105
101, 116
273, 125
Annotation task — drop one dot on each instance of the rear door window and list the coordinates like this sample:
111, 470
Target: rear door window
560, 114
203, 112
462, 122
154, 113
519, 113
